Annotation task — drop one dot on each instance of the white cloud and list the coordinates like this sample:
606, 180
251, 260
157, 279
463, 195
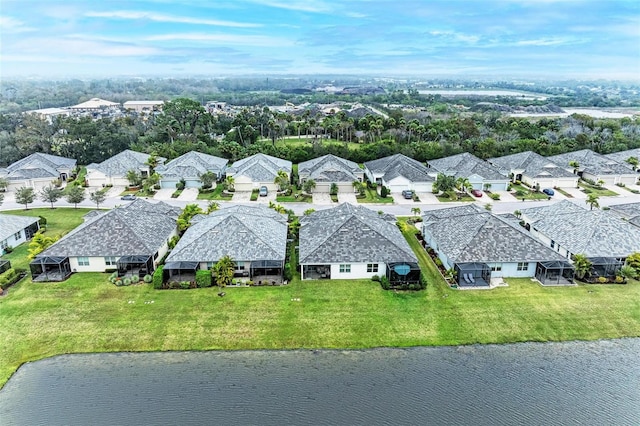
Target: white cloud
14, 26
554, 41
158, 17
301, 6
249, 40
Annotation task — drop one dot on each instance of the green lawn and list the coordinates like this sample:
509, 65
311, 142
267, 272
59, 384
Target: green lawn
444, 198
216, 194
529, 194
372, 196
599, 191
304, 141
565, 193
87, 314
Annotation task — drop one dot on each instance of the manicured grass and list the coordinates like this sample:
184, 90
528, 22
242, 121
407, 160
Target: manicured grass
599, 191
529, 194
216, 194
565, 193
304, 141
300, 198
87, 314
372, 196
444, 198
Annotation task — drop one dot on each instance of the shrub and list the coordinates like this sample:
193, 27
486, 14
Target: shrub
180, 185
126, 281
375, 278
494, 196
384, 191
287, 272
185, 285
521, 193
8, 249
147, 279
135, 279
42, 221
423, 281
602, 280
118, 282
157, 278
384, 283
203, 278
619, 279
10, 277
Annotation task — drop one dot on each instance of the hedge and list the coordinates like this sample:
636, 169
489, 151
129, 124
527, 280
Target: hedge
157, 278
203, 278
10, 277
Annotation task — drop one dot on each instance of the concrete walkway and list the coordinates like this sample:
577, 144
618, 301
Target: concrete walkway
164, 194
189, 194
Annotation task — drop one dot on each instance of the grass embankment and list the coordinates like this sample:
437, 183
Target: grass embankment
87, 314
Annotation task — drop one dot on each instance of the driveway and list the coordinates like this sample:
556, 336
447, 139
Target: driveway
189, 194
114, 191
271, 196
322, 198
163, 194
347, 197
427, 198
576, 193
241, 197
399, 199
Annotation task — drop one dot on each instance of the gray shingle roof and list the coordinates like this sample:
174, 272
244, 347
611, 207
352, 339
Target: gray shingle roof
260, 167
399, 165
464, 165
330, 168
593, 163
11, 224
627, 211
594, 233
533, 164
139, 228
121, 163
39, 165
622, 156
245, 233
192, 165
349, 233
484, 237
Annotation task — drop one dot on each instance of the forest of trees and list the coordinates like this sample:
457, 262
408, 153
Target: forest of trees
184, 125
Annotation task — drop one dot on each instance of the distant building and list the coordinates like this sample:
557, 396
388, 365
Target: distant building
94, 104
143, 107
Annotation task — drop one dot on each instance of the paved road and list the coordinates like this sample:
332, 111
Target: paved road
502, 206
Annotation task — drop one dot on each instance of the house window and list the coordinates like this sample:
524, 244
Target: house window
346, 268
83, 261
109, 261
372, 267
553, 244
496, 268
3, 244
239, 266
18, 235
523, 266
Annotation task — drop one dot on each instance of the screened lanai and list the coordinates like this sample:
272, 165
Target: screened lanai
607, 267
473, 274
180, 271
401, 273
555, 272
4, 265
50, 268
267, 271
140, 265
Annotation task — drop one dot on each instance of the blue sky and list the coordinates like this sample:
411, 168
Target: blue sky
500, 38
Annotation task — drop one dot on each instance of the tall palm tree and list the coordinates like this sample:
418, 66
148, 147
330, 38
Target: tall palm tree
282, 180
229, 181
223, 271
592, 201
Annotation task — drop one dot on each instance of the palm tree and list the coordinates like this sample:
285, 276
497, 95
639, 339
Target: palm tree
358, 187
415, 211
223, 271
282, 180
633, 161
582, 265
308, 186
575, 166
229, 181
463, 184
592, 201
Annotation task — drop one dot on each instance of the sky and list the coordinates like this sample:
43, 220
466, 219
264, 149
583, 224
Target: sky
559, 39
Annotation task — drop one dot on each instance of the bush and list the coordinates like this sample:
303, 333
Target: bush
288, 272
521, 193
8, 277
180, 185
423, 281
42, 221
384, 283
147, 279
185, 285
384, 192
157, 278
8, 249
494, 196
126, 281
602, 280
203, 278
375, 278
135, 279
619, 279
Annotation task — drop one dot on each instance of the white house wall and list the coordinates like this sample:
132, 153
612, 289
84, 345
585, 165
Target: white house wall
358, 271
12, 241
510, 270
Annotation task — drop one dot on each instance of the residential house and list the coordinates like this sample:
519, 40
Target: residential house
189, 167
534, 169
480, 247
596, 167
629, 212
143, 107
258, 170
113, 171
330, 169
600, 235
15, 230
623, 157
255, 237
131, 239
95, 104
398, 173
481, 174
38, 170
348, 242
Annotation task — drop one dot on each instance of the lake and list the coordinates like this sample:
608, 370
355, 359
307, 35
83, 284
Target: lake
582, 383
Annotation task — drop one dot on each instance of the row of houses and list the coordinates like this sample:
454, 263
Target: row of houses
480, 246
344, 242
397, 172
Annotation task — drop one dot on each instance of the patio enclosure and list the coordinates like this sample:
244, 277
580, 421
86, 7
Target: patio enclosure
473, 274
555, 272
50, 268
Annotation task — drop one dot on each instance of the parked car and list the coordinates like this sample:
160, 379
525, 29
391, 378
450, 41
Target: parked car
476, 193
408, 194
128, 197
550, 192
263, 191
